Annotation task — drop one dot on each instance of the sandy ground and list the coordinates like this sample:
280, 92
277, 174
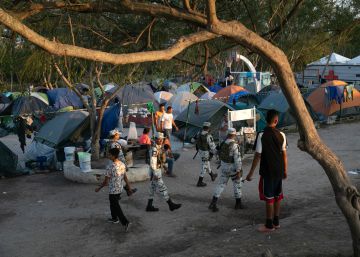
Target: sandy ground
46, 215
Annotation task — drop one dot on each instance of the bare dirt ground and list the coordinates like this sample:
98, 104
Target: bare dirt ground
46, 215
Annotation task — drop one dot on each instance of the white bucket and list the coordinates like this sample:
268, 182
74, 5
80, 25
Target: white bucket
84, 161
69, 153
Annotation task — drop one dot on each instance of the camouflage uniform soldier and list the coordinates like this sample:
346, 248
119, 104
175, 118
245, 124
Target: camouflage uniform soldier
231, 167
157, 160
206, 147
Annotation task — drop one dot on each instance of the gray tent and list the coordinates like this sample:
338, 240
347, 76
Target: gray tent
209, 110
135, 94
9, 161
63, 128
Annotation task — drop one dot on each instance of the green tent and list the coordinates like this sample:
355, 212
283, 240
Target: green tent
64, 128
209, 110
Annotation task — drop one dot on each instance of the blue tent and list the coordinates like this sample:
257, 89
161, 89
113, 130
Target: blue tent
215, 88
243, 96
64, 97
110, 120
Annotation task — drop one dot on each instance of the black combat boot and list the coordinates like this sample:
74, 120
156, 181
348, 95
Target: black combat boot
150, 206
200, 182
213, 176
173, 206
238, 204
212, 205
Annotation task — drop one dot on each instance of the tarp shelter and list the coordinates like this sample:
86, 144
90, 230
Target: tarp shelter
64, 128
208, 95
278, 102
25, 105
215, 88
209, 110
9, 161
163, 96
139, 93
41, 96
64, 97
319, 102
227, 92
4, 102
196, 88
181, 101
110, 120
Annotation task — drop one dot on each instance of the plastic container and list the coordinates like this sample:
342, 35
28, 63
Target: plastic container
84, 161
69, 153
132, 135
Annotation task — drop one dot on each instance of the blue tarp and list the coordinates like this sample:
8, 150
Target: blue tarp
64, 97
240, 94
110, 120
215, 88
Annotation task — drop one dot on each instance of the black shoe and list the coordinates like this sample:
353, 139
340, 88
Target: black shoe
200, 182
173, 206
150, 207
213, 206
238, 204
213, 176
111, 220
127, 226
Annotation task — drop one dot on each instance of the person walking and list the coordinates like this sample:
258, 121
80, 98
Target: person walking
205, 145
115, 178
231, 167
271, 152
168, 122
157, 160
158, 118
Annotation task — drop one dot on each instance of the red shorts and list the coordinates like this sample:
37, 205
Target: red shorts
270, 189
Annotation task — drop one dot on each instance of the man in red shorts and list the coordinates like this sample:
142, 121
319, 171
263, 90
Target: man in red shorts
271, 152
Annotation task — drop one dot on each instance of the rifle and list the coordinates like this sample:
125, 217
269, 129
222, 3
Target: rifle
197, 151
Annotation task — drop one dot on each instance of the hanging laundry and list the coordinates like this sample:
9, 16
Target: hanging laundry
20, 125
339, 95
332, 93
349, 89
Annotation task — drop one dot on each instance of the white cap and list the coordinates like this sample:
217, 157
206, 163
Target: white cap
114, 132
231, 131
206, 124
159, 135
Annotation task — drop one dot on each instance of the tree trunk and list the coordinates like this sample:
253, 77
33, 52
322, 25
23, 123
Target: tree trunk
346, 195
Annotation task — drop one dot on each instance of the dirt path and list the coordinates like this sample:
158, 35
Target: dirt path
46, 215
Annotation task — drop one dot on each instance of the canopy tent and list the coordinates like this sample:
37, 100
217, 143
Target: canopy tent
319, 102
180, 101
64, 128
110, 120
227, 92
243, 96
64, 97
41, 96
278, 102
139, 93
163, 96
215, 88
334, 59
196, 88
209, 110
9, 161
334, 83
25, 105
208, 95
355, 60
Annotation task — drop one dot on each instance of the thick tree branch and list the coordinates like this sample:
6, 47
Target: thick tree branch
211, 12
95, 55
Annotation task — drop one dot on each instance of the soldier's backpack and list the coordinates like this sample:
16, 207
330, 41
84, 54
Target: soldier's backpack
201, 143
224, 152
